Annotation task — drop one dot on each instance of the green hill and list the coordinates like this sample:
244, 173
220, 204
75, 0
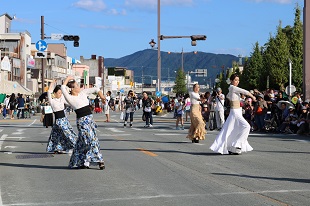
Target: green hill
147, 60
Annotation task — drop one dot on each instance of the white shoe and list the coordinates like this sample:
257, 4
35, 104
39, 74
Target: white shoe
150, 125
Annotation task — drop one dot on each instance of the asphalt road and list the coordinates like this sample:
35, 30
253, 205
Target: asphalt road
151, 166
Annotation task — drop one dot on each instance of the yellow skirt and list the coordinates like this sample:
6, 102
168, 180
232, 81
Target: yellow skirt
197, 128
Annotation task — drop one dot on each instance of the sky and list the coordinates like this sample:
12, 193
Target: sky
116, 28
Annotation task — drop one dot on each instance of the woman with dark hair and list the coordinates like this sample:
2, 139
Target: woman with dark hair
62, 137
12, 105
233, 138
87, 148
21, 106
197, 129
129, 107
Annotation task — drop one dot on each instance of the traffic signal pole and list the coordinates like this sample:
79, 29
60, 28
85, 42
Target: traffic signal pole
42, 60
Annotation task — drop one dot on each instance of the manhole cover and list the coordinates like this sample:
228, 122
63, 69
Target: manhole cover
34, 156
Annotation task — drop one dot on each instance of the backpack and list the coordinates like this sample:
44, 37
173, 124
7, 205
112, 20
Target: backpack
111, 103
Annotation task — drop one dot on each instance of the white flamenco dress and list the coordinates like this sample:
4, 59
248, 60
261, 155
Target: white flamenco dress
233, 137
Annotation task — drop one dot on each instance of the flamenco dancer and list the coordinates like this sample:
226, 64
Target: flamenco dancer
197, 129
62, 137
87, 148
233, 138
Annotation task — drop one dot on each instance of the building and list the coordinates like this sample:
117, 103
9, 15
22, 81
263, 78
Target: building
15, 58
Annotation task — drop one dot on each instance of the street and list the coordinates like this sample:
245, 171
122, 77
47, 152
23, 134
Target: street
151, 166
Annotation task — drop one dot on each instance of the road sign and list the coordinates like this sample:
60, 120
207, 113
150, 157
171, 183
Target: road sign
122, 91
41, 45
56, 36
41, 55
158, 93
201, 72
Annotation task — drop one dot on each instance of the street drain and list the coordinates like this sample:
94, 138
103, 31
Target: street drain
34, 156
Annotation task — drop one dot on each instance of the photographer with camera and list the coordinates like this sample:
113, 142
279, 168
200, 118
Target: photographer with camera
219, 108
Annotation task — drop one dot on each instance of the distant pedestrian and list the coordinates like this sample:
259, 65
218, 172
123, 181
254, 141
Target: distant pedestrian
129, 108
180, 106
12, 105
6, 106
62, 137
147, 105
197, 129
219, 108
106, 106
187, 107
87, 148
21, 106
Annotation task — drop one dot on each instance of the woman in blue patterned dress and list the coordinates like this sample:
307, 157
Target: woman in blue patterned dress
62, 137
87, 148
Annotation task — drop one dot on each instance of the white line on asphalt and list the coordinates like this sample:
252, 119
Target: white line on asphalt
301, 140
1, 203
116, 130
136, 129
149, 197
1, 130
11, 147
113, 135
8, 152
2, 138
32, 122
167, 134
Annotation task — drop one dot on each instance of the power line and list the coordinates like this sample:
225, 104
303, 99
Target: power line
56, 28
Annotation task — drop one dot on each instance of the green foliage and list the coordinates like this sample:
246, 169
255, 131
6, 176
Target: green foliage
180, 83
296, 50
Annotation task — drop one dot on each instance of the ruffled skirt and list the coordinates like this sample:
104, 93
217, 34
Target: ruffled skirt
197, 128
87, 149
62, 137
234, 133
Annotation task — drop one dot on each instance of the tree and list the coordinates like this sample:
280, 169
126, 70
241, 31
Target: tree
180, 83
253, 70
296, 50
276, 57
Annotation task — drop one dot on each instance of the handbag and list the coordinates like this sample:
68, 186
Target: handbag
47, 110
121, 116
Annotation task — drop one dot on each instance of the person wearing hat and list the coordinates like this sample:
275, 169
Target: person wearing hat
219, 108
260, 110
285, 126
233, 137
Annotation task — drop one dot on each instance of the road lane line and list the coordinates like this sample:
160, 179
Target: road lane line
2, 139
147, 152
167, 134
32, 122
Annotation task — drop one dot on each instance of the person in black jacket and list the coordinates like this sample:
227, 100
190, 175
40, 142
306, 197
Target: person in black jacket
21, 106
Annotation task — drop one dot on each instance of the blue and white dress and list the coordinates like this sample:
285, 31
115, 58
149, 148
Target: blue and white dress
62, 137
87, 148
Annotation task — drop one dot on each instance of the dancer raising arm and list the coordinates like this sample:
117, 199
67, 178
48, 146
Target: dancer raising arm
233, 138
87, 149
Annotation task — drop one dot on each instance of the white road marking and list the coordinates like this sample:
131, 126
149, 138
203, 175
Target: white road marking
2, 138
32, 122
116, 130
11, 147
113, 135
136, 129
1, 203
150, 197
167, 134
300, 140
8, 152
1, 130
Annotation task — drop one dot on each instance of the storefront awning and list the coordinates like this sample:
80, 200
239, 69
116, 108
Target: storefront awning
9, 87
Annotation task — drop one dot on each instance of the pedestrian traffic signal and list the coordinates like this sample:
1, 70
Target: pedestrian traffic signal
73, 38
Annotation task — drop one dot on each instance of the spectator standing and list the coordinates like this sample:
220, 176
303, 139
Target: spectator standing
6, 106
12, 105
129, 107
180, 106
187, 107
107, 107
260, 112
147, 104
219, 108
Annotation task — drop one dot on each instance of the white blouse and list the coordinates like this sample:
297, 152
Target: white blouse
194, 98
81, 99
234, 93
56, 104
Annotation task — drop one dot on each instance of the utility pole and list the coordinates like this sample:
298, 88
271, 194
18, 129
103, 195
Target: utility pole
158, 49
42, 60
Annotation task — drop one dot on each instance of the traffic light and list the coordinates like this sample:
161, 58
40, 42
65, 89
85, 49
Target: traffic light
194, 38
73, 38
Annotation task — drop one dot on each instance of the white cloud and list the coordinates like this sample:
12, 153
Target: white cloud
274, 1
91, 5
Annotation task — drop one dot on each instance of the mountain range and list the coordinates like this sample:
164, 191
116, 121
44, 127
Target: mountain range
145, 62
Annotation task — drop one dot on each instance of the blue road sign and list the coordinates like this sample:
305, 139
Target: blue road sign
41, 45
158, 93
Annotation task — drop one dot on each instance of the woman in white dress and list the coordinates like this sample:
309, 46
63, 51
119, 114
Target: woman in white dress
197, 129
233, 138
